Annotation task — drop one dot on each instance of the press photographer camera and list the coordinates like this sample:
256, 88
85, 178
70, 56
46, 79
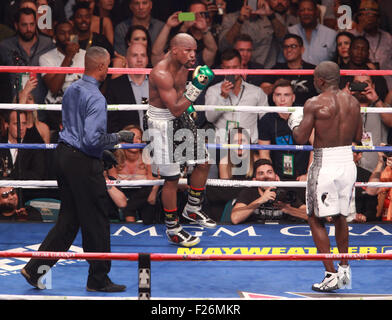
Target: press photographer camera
264, 204
272, 209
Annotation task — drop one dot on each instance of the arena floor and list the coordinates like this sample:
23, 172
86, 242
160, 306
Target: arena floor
267, 280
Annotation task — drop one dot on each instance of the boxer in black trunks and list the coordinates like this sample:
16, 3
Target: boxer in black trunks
171, 106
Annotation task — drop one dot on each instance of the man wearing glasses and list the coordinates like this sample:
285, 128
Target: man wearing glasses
9, 207
293, 50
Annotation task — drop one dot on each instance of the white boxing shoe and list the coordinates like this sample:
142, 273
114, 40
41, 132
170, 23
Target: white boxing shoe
330, 283
344, 277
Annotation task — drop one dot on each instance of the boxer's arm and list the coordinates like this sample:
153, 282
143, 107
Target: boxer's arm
164, 83
303, 131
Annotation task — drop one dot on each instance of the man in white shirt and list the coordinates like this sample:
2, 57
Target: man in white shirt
235, 93
66, 54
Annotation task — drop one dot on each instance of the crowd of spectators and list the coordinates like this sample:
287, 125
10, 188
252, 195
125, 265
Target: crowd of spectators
275, 34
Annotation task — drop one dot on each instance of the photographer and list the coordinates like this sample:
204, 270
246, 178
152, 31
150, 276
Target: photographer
375, 131
260, 204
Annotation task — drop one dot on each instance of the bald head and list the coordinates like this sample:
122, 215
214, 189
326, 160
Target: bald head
182, 40
329, 72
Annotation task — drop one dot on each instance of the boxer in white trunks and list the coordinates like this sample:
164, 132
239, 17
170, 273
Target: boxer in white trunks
335, 117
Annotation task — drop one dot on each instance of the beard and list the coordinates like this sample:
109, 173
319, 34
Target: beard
27, 36
361, 97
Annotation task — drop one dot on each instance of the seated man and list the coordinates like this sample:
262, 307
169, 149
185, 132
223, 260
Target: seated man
9, 207
270, 203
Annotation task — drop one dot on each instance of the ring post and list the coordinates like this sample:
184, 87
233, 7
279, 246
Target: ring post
144, 274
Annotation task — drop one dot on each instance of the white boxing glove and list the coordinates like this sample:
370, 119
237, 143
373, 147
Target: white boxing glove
295, 118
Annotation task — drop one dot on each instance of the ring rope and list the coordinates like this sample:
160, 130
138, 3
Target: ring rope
273, 147
29, 184
65, 70
134, 107
50, 255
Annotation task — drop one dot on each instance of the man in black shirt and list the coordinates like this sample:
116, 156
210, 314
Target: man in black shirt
270, 203
293, 49
273, 129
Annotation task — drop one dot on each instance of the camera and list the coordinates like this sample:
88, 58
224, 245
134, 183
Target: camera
358, 86
285, 195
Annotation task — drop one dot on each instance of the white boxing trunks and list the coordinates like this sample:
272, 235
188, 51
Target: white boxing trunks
173, 143
331, 179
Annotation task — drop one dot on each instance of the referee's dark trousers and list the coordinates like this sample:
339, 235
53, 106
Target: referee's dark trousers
84, 204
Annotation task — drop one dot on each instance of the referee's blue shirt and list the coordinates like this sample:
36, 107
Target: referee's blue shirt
84, 116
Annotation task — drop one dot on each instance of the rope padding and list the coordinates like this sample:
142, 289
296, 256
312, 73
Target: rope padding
51, 255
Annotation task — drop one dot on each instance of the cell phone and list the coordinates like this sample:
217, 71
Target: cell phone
253, 4
231, 78
358, 86
74, 38
186, 16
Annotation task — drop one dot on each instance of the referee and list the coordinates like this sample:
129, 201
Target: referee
79, 172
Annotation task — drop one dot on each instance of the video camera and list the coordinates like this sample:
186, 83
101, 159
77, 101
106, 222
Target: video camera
285, 195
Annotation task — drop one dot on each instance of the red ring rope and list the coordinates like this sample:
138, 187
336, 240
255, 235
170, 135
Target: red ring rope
38, 69
49, 255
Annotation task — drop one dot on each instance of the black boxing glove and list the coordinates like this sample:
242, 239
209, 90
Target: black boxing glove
125, 136
109, 160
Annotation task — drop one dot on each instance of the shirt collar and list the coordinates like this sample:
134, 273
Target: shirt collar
91, 80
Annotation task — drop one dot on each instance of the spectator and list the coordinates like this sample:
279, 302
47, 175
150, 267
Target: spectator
374, 129
332, 16
24, 49
343, 43
319, 40
131, 166
366, 197
304, 89
107, 9
235, 93
379, 40
198, 29
10, 7
216, 11
21, 164
386, 15
359, 60
85, 36
141, 15
38, 129
9, 207
244, 44
273, 129
262, 203
135, 34
66, 54
263, 27
101, 25
238, 163
129, 89
384, 208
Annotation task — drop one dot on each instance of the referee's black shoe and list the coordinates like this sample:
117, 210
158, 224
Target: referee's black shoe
109, 287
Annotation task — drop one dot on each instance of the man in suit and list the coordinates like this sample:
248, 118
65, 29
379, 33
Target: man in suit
20, 163
129, 89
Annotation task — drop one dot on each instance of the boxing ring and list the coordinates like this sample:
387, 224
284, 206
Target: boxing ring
271, 261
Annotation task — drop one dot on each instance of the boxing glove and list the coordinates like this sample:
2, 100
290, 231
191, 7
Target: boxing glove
201, 77
125, 136
295, 118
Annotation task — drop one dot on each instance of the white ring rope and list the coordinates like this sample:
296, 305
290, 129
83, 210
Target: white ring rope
128, 107
27, 184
